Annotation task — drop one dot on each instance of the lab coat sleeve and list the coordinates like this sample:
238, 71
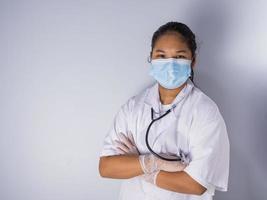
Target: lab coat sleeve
209, 149
119, 124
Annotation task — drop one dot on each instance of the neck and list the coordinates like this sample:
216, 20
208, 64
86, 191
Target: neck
168, 95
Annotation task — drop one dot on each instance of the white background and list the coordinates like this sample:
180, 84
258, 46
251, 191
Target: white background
66, 67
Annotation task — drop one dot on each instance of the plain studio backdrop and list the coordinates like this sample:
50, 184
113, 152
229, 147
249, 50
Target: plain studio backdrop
67, 66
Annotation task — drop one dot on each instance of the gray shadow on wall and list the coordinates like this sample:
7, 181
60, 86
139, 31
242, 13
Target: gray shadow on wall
246, 120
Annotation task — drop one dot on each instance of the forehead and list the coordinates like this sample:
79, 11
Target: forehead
171, 40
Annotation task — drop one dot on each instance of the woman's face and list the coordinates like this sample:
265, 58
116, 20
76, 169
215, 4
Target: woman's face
171, 45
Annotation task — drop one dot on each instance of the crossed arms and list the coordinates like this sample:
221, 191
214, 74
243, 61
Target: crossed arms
128, 166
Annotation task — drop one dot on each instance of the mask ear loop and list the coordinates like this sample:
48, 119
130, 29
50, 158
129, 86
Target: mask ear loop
192, 70
149, 59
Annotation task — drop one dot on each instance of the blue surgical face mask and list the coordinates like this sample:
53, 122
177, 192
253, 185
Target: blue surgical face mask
171, 73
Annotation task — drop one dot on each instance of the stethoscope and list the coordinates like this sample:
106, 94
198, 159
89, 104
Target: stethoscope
147, 132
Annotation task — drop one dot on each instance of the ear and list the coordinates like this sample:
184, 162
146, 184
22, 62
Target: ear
193, 62
149, 58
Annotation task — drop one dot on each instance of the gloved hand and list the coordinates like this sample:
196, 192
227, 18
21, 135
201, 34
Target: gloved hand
126, 145
170, 166
151, 178
151, 163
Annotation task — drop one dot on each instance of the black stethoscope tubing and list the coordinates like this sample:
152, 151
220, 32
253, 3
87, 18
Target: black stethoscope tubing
147, 132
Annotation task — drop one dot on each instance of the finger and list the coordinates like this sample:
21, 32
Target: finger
136, 150
125, 140
131, 138
133, 142
121, 146
120, 151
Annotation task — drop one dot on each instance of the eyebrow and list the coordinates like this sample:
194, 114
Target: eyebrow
178, 51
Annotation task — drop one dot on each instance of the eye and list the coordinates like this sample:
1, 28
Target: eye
160, 56
180, 56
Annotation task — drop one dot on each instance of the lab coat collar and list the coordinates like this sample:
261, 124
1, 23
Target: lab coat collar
153, 99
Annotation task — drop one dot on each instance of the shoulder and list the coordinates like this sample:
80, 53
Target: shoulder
204, 107
134, 102
207, 120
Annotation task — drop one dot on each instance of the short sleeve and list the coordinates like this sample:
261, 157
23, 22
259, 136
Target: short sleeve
120, 124
209, 148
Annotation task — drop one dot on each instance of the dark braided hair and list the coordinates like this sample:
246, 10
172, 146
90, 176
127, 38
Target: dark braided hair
182, 29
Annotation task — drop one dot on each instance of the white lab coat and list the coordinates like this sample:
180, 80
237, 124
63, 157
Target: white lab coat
195, 126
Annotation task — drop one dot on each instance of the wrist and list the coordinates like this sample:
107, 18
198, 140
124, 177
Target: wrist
155, 177
148, 163
141, 162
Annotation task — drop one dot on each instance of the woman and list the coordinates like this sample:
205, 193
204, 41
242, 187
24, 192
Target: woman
184, 154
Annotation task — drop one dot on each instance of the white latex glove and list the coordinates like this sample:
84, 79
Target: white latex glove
126, 145
150, 163
170, 166
151, 178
